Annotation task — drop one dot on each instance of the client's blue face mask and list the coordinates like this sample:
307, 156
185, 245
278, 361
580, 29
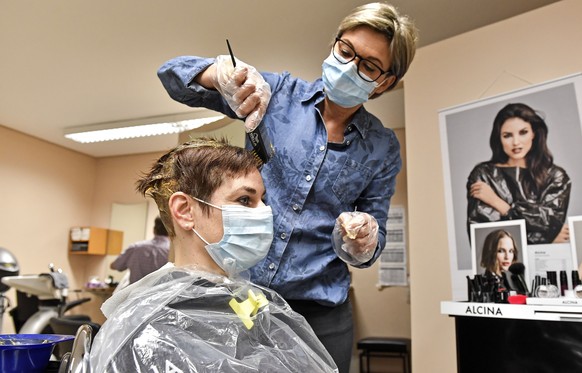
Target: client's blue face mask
248, 233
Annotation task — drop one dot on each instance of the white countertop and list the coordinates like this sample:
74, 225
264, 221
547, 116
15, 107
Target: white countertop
558, 311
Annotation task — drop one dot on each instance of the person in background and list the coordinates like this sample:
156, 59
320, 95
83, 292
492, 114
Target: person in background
334, 167
521, 181
199, 313
499, 252
144, 257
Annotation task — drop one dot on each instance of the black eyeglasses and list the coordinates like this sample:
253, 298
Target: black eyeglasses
367, 70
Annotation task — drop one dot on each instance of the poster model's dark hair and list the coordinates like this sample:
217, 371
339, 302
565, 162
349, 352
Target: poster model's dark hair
539, 159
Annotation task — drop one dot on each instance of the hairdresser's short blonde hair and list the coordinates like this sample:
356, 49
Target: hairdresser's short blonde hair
398, 29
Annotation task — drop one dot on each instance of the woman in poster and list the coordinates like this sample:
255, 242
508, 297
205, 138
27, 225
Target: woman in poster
499, 252
520, 181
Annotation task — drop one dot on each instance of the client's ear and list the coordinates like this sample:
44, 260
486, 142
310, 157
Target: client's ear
180, 205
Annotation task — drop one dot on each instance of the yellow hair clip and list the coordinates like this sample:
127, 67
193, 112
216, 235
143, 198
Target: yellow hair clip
246, 310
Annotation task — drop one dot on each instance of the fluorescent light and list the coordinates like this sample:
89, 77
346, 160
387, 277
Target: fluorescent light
152, 126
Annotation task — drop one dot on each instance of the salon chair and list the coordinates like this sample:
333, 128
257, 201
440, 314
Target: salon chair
69, 325
384, 347
77, 360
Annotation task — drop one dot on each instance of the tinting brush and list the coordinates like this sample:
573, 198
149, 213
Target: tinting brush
231, 54
263, 149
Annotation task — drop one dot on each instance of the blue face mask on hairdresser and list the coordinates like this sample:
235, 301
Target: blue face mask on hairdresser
248, 233
343, 85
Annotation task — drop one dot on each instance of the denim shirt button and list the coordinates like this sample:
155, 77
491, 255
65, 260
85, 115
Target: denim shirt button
348, 142
272, 266
283, 235
322, 148
295, 207
308, 177
350, 128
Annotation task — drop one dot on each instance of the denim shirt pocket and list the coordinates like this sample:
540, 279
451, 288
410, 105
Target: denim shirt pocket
351, 181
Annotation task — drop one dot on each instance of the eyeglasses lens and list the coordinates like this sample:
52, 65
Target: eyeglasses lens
344, 53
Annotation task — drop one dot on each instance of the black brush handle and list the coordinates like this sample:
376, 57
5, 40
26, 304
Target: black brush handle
231, 54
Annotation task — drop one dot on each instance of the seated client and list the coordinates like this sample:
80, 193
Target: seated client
199, 313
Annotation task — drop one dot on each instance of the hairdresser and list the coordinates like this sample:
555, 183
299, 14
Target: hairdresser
334, 169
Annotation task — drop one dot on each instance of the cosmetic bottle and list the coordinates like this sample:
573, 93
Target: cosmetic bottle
501, 293
540, 290
575, 279
563, 282
473, 294
537, 281
552, 290
548, 290
576, 284
552, 278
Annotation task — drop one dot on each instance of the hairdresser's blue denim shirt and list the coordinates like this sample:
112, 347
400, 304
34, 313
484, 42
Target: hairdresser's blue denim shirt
309, 181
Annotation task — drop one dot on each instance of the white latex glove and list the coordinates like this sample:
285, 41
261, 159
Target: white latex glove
355, 237
244, 88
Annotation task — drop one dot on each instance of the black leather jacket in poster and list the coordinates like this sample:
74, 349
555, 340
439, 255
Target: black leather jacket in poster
544, 214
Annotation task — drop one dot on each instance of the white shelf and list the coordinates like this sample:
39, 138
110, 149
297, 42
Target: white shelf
562, 301
549, 312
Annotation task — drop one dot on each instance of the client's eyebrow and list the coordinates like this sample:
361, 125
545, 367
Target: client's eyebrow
243, 189
253, 192
248, 189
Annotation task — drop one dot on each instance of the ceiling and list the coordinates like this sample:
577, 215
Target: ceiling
69, 63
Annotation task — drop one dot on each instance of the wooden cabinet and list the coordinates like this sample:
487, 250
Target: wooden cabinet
114, 242
95, 241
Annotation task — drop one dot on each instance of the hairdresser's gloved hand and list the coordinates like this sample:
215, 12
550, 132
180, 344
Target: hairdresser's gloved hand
355, 237
245, 90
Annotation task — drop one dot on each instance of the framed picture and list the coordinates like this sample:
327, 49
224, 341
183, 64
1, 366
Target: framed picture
467, 132
575, 227
496, 246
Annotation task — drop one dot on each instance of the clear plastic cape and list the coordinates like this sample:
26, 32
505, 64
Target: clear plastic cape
186, 320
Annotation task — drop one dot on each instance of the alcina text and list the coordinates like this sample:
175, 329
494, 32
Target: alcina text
483, 310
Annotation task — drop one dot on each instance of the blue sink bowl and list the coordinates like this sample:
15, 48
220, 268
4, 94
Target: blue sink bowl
28, 353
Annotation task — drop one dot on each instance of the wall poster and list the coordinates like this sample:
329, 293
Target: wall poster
392, 270
509, 157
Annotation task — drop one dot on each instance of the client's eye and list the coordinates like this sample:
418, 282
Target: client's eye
244, 200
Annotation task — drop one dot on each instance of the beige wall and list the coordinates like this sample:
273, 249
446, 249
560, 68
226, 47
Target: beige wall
44, 189
534, 47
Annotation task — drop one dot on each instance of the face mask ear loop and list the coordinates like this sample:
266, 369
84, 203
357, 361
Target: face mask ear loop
376, 86
194, 230
199, 236
207, 203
